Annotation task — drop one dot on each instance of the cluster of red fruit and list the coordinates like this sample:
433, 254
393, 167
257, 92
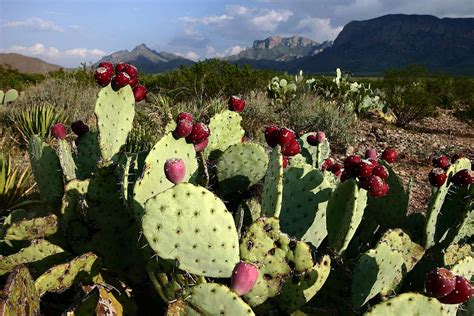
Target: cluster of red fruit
59, 131
284, 137
236, 104
447, 287
121, 75
438, 176
371, 174
197, 133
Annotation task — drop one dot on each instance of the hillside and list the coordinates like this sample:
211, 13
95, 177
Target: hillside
27, 64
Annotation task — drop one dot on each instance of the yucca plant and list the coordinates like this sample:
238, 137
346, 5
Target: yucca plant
14, 185
36, 120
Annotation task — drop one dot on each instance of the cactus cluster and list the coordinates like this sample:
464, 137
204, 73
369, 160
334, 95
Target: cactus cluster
8, 96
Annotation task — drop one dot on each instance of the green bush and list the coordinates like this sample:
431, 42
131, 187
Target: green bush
13, 79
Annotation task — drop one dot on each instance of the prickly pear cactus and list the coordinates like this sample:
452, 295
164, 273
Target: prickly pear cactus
305, 198
66, 160
276, 256
247, 212
18, 225
225, 131
400, 242
87, 154
46, 169
408, 304
10, 96
241, 166
190, 225
273, 186
130, 169
19, 296
345, 210
115, 111
211, 299
298, 290
153, 180
314, 155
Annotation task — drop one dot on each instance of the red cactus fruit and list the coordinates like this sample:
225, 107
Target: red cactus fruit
133, 82
291, 148
79, 128
336, 169
437, 177
120, 67
285, 136
351, 163
285, 162
375, 185
271, 135
139, 92
380, 171
345, 175
58, 131
120, 80
131, 70
107, 65
439, 282
244, 277
236, 104
183, 128
441, 161
462, 177
374, 162
175, 170
371, 153
390, 155
461, 293
103, 76
201, 145
312, 140
456, 156
327, 164
364, 168
199, 133
184, 116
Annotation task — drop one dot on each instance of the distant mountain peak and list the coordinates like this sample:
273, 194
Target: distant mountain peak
293, 41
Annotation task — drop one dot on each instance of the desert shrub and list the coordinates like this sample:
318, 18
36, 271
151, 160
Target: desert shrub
13, 79
144, 134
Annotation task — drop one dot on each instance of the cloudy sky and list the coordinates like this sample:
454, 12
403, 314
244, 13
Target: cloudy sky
68, 32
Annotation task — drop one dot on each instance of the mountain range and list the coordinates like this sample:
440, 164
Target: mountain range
27, 64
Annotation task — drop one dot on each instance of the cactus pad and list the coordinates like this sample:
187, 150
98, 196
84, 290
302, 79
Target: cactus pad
46, 169
115, 112
241, 166
225, 131
19, 226
400, 242
276, 257
61, 277
314, 155
273, 186
87, 154
66, 160
305, 198
19, 296
10, 96
408, 304
191, 225
153, 180
345, 210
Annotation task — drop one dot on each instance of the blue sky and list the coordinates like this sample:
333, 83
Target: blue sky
71, 31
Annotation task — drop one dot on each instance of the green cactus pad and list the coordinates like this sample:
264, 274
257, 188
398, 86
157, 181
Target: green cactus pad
61, 277
390, 210
298, 290
20, 226
241, 166
191, 225
376, 271
130, 169
456, 252
435, 228
408, 304
115, 112
10, 96
87, 155
213, 299
464, 267
38, 250
400, 242
276, 257
2, 96
466, 228
273, 186
100, 302
305, 198
297, 161
153, 180
46, 170
314, 155
247, 212
19, 296
66, 160
345, 210
225, 131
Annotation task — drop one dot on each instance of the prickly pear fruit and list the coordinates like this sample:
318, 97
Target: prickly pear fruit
439, 282
120, 80
139, 92
389, 155
199, 133
437, 177
271, 135
133, 82
375, 185
120, 67
351, 163
336, 169
374, 162
183, 128
285, 162
461, 293
345, 175
285, 136
131, 70
79, 128
364, 169
291, 148
370, 153
441, 161
380, 171
103, 76
316, 139
236, 104
58, 131
327, 164
462, 177
175, 170
107, 65
184, 116
456, 156
320, 137
201, 145
244, 277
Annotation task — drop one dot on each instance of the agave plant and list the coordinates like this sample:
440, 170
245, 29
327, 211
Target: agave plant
36, 120
14, 185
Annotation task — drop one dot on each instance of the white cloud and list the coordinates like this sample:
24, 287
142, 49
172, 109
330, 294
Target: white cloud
34, 24
235, 9
189, 55
85, 53
74, 27
234, 50
207, 20
318, 29
270, 20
